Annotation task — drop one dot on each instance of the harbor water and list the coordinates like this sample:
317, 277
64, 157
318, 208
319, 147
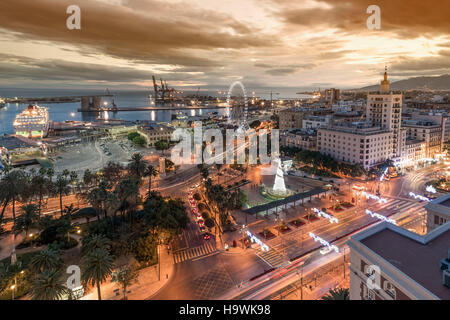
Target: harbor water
59, 112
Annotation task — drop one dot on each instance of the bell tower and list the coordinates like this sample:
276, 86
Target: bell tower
385, 83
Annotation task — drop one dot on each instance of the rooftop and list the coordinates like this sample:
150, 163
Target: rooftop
418, 260
440, 205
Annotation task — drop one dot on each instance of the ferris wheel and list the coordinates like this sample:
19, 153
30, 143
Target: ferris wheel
237, 105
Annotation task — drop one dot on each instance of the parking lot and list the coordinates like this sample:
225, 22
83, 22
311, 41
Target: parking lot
93, 156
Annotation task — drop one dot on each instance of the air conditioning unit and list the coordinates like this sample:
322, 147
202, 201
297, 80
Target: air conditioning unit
446, 278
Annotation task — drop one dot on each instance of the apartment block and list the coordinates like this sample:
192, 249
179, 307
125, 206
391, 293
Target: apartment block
356, 143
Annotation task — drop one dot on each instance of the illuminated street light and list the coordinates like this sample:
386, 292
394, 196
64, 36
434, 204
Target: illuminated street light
326, 216
371, 196
418, 196
380, 217
328, 246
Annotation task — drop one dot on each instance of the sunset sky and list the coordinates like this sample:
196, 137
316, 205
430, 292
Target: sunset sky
211, 43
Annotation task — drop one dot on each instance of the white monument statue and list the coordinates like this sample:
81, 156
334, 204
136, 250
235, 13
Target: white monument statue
279, 186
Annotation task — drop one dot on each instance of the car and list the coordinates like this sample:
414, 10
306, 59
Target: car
200, 221
202, 228
206, 237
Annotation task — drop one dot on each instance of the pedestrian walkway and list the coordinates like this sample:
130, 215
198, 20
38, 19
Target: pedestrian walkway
150, 281
272, 257
191, 253
399, 205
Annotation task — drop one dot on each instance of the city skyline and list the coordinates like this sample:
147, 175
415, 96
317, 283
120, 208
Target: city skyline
304, 44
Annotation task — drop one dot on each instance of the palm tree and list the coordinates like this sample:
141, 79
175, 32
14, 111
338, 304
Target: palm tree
61, 188
39, 186
337, 294
69, 210
28, 218
48, 286
14, 184
98, 266
137, 165
45, 260
128, 193
150, 172
96, 197
50, 173
95, 241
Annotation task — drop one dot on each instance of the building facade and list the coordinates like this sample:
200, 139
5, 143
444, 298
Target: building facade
305, 140
356, 143
438, 212
291, 119
427, 131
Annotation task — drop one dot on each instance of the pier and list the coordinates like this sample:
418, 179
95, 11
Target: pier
63, 99
152, 108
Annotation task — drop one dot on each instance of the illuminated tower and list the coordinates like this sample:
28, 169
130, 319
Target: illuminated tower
385, 83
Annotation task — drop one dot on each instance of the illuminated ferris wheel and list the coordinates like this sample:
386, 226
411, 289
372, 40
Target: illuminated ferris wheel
237, 105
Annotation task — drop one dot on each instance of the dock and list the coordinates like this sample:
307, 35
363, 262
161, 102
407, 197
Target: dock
153, 108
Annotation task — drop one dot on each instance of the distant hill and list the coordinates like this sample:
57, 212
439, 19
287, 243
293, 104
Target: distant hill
417, 83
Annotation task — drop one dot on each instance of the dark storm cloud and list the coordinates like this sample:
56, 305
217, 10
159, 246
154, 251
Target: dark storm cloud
16, 67
144, 36
406, 19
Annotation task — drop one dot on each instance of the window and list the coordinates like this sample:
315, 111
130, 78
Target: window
368, 294
390, 289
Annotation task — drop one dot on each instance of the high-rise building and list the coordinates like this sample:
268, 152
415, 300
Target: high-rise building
384, 109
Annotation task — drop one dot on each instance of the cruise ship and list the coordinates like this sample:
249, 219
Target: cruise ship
32, 122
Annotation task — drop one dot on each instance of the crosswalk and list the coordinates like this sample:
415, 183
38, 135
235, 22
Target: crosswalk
396, 205
192, 253
272, 257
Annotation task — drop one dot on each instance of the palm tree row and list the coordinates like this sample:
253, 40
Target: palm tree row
113, 189
33, 186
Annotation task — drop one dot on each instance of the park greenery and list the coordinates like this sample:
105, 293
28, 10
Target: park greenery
222, 202
137, 139
320, 164
118, 223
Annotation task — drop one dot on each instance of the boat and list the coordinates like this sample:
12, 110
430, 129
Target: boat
32, 122
2, 103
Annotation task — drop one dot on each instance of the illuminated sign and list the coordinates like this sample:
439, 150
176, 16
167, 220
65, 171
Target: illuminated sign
325, 215
328, 246
254, 239
417, 196
381, 217
371, 196
431, 189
